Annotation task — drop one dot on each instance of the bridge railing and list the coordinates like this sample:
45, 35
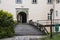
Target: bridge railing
48, 22
39, 26
45, 24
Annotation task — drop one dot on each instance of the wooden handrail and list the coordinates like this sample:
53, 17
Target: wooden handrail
49, 25
39, 25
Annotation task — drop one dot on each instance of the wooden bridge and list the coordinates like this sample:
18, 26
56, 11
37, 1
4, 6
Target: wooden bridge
30, 29
34, 28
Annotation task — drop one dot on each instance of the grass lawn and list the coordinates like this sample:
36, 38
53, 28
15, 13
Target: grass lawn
55, 37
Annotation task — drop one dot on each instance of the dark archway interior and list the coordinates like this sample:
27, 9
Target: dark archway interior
24, 17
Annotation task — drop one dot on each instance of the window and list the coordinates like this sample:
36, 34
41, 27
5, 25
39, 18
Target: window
18, 1
0, 1
56, 13
49, 1
57, 1
49, 16
34, 1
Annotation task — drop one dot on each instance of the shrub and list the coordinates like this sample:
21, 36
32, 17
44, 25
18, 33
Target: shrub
2, 32
6, 19
10, 32
6, 24
15, 22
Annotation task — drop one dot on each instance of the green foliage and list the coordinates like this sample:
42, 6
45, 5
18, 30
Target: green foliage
6, 24
2, 32
10, 31
55, 37
15, 22
6, 19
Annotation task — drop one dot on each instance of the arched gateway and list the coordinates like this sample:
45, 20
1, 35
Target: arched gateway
22, 17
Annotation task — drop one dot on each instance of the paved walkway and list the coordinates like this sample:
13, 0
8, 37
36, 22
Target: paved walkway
24, 38
25, 29
28, 32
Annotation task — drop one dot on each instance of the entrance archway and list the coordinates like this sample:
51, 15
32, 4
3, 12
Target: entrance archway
22, 17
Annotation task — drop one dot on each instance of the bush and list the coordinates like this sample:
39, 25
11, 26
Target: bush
6, 19
15, 22
2, 32
6, 24
10, 31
